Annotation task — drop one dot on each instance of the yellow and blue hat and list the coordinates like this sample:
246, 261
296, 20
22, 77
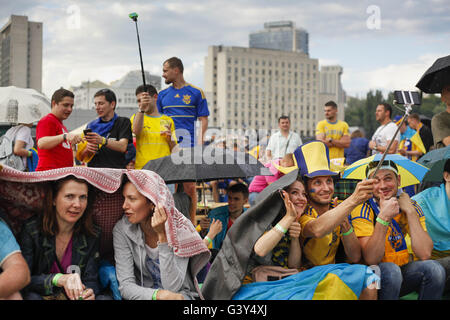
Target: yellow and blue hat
312, 159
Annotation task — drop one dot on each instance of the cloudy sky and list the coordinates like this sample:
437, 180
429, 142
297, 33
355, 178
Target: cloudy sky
384, 44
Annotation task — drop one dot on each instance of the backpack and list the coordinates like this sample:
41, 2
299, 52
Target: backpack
7, 156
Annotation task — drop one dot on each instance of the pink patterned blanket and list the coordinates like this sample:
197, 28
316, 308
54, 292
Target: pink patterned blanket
22, 195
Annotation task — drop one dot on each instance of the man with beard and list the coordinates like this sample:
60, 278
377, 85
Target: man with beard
333, 132
385, 132
184, 103
381, 225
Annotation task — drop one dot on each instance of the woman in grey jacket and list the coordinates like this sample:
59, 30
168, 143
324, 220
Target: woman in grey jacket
157, 250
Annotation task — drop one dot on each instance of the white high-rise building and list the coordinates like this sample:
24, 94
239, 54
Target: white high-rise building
21, 53
250, 88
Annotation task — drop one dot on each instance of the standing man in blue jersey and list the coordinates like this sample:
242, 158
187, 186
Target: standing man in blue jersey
184, 103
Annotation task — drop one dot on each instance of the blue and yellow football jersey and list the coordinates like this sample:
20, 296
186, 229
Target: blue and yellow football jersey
184, 106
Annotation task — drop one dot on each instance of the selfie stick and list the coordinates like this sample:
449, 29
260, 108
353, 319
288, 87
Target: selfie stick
408, 108
134, 17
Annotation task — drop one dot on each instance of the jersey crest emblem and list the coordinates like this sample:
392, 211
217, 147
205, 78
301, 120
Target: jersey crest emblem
187, 99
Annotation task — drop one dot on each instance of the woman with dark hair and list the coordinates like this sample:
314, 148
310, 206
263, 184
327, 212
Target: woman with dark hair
61, 246
157, 250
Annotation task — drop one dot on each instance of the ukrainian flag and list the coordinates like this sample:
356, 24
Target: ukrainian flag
328, 282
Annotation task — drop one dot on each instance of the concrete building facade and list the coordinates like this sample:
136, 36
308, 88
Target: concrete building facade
21, 53
250, 88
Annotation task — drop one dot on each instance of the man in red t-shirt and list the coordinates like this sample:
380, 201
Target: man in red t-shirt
53, 139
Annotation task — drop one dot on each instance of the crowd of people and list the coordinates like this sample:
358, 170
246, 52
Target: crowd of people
284, 236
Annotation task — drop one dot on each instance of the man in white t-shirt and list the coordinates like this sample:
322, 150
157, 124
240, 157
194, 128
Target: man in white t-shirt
283, 141
385, 132
23, 141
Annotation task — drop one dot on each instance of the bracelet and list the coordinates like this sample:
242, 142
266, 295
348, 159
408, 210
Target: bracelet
154, 294
30, 154
384, 223
279, 228
55, 279
348, 232
209, 239
65, 137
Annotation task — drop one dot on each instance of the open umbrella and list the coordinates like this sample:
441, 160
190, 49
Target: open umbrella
19, 105
206, 164
199, 164
411, 173
435, 161
436, 77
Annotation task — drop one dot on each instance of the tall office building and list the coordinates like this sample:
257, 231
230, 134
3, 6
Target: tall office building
21, 53
250, 88
280, 35
124, 88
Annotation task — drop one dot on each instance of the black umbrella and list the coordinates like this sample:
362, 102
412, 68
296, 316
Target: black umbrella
206, 164
436, 77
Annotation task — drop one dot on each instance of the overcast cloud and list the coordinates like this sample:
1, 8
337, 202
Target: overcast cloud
96, 39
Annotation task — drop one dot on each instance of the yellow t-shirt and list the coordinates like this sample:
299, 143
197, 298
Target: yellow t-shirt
396, 249
334, 131
150, 144
319, 251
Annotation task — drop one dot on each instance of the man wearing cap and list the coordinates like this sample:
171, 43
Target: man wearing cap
381, 225
325, 223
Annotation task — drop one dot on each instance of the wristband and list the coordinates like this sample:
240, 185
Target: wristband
65, 137
209, 239
154, 294
280, 228
55, 279
30, 154
348, 232
384, 223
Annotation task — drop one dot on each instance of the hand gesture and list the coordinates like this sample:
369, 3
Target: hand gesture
159, 219
405, 202
363, 191
215, 228
94, 138
72, 285
290, 208
73, 138
295, 230
389, 208
144, 103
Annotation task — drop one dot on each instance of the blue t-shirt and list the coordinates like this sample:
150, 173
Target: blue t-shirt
8, 243
357, 150
184, 106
